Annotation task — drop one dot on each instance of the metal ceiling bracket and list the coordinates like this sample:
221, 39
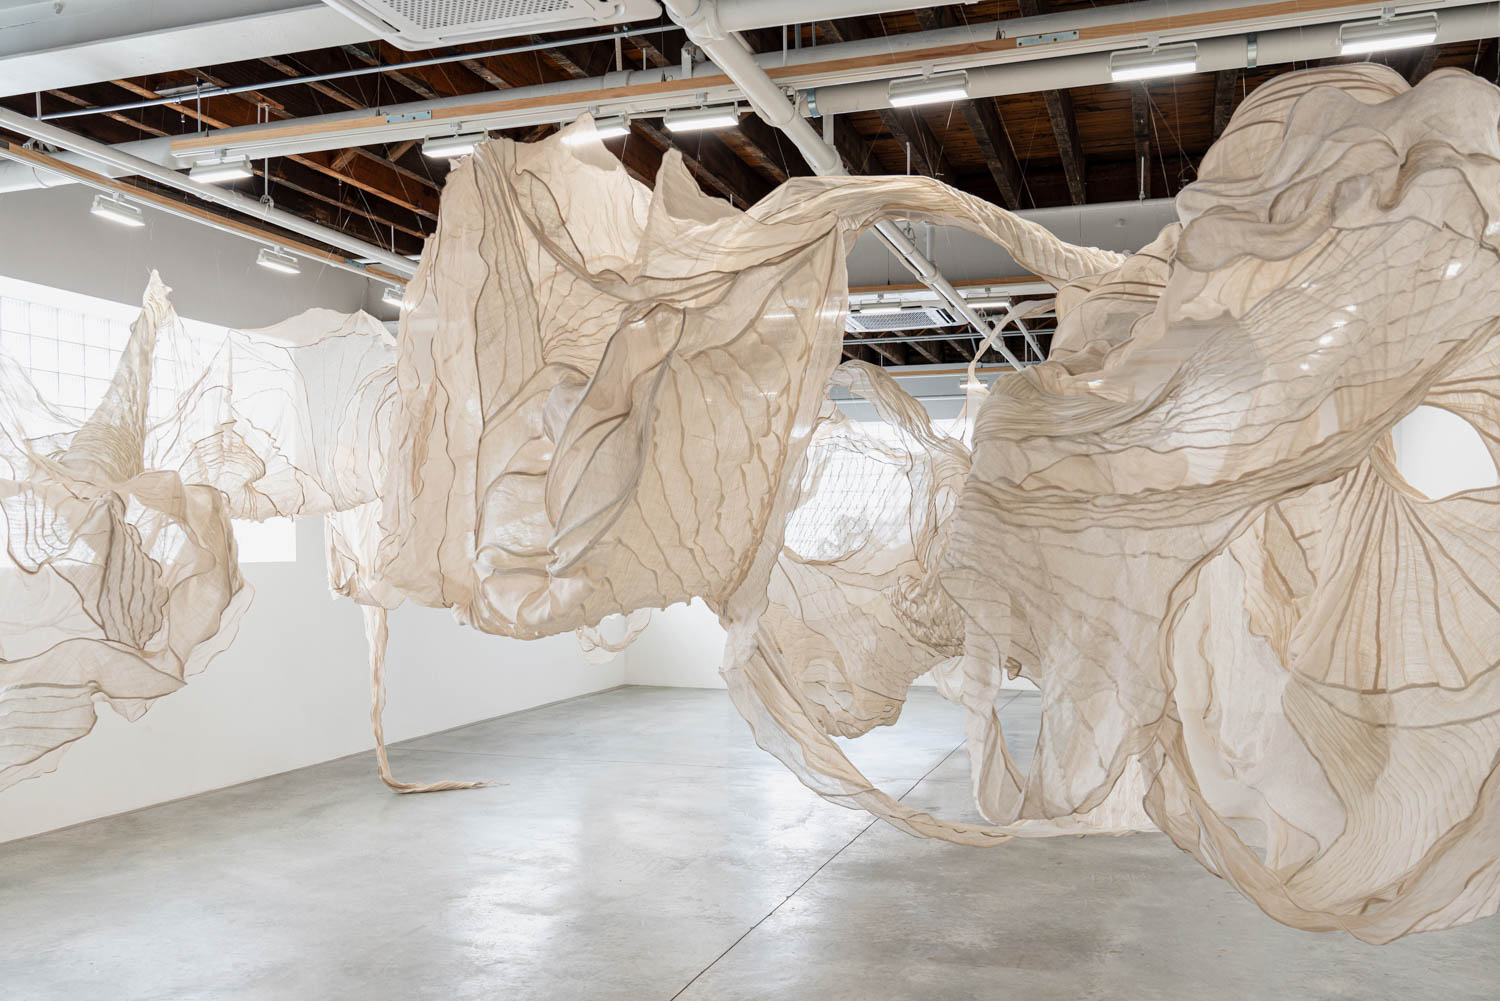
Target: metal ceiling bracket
1047, 39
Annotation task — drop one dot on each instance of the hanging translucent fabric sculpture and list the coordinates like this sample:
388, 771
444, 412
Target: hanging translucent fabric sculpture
1186, 527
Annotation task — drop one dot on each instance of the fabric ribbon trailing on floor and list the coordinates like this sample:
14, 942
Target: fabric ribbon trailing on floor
1186, 527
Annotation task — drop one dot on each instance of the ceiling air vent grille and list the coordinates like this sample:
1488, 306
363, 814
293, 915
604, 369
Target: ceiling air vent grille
911, 318
414, 24
447, 15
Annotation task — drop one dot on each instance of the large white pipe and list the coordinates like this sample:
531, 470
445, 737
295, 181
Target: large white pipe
1306, 43
731, 56
230, 199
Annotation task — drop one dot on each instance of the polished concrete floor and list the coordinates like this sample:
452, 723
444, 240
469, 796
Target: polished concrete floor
643, 848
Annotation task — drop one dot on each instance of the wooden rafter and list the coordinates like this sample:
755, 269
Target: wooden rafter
1422, 65
856, 150
906, 125
984, 122
994, 143
1069, 146
1224, 82
1064, 123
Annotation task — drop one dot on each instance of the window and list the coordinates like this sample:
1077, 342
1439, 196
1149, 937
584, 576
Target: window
70, 344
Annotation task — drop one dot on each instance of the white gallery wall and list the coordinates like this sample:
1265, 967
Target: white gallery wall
293, 689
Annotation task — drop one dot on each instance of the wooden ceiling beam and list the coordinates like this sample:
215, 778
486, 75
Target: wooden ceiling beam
854, 148
1069, 146
564, 64
443, 80
326, 89
925, 349
359, 54
889, 352
651, 54
1426, 59
150, 193
1064, 122
284, 178
766, 149
484, 73
112, 115
906, 125
984, 123
994, 143
716, 168
1224, 82
910, 129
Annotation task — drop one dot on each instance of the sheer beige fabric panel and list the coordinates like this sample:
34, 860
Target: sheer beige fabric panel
122, 577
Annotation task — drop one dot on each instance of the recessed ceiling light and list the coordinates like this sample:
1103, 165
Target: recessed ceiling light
935, 89
718, 116
276, 260
116, 209
1387, 33
1144, 64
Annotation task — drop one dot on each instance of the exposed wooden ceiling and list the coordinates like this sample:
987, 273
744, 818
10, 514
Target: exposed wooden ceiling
1058, 147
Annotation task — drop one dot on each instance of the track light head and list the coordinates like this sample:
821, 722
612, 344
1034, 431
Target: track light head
276, 260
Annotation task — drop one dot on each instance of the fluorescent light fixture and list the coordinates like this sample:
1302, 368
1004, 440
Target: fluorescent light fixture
212, 170
393, 296
880, 308
718, 116
116, 209
449, 147
1163, 60
605, 128
989, 302
1387, 33
935, 89
276, 260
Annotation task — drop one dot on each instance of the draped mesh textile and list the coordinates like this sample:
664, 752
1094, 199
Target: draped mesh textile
1187, 527
122, 577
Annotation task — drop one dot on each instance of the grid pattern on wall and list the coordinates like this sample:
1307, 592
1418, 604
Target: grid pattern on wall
70, 345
